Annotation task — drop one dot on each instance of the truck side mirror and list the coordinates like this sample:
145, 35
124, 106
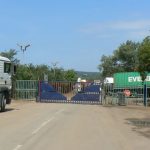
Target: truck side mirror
13, 69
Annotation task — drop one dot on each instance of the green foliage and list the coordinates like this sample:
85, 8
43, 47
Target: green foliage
70, 75
126, 56
10, 54
124, 59
31, 72
57, 74
144, 57
106, 67
36, 72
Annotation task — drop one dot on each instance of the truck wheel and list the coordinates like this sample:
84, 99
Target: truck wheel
3, 102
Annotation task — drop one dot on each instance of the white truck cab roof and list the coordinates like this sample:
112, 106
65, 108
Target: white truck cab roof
4, 59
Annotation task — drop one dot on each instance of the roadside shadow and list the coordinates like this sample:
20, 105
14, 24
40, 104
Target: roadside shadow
140, 125
8, 110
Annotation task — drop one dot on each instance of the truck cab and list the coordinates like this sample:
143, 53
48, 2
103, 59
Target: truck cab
7, 69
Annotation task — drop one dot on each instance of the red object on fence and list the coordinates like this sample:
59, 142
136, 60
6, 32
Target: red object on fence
127, 92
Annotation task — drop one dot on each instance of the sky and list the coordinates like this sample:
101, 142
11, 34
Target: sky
71, 34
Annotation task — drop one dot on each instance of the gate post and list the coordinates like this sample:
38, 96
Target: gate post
38, 99
145, 95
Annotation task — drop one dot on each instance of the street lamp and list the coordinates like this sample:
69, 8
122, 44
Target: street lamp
23, 48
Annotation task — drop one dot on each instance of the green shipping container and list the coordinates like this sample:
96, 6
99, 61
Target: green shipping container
129, 80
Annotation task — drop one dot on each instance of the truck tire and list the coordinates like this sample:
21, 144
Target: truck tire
8, 98
3, 102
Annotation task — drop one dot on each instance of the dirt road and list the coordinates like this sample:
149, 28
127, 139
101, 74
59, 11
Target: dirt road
40, 126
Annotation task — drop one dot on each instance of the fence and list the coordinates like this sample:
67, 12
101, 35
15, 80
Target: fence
128, 95
26, 89
75, 92
69, 92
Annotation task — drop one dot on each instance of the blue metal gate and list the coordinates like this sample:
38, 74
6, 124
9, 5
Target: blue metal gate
69, 92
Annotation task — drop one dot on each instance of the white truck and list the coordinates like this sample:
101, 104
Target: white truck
7, 69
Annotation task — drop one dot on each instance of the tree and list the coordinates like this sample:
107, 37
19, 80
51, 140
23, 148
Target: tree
39, 71
144, 57
124, 59
70, 75
126, 56
36, 72
106, 67
56, 74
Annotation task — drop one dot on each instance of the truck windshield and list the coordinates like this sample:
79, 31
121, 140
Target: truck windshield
7, 67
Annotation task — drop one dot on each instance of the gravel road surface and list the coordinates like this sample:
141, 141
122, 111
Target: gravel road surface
47, 126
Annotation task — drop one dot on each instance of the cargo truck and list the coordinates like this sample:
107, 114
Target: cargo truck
7, 69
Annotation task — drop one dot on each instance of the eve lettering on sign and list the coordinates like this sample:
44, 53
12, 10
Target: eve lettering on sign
134, 79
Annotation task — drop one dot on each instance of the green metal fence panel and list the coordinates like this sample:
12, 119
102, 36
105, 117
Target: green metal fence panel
26, 89
133, 96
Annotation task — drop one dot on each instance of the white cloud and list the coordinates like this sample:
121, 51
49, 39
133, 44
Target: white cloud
131, 25
138, 34
131, 29
92, 28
